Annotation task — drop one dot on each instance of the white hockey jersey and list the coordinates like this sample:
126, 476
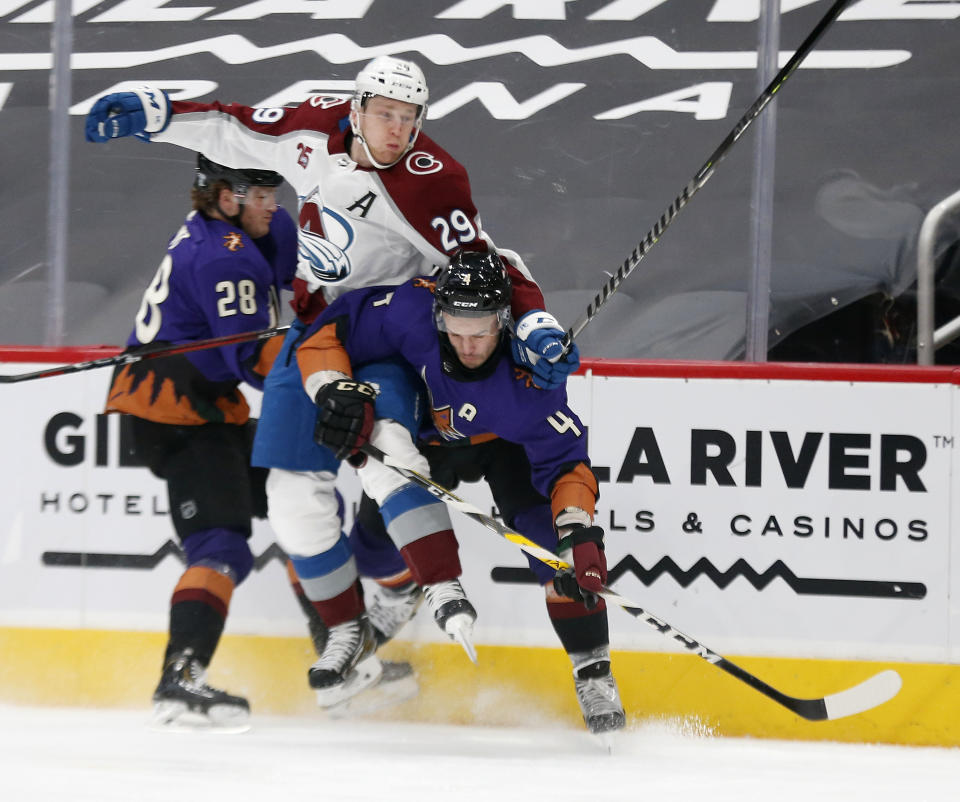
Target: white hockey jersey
358, 227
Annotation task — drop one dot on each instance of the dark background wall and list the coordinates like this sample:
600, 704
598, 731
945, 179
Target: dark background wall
866, 144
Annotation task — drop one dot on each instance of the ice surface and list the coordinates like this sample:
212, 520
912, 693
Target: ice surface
61, 754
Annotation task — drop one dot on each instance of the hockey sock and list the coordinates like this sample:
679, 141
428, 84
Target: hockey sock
198, 611
579, 629
420, 525
318, 630
330, 581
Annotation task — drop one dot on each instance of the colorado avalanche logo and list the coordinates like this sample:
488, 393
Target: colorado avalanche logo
422, 163
326, 256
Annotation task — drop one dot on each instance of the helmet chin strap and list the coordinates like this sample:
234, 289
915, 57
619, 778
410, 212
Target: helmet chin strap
358, 135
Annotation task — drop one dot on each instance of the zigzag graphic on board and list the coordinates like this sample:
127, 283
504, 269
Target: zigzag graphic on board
741, 569
441, 49
142, 562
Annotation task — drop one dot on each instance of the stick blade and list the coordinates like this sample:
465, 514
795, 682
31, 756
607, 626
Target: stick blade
868, 694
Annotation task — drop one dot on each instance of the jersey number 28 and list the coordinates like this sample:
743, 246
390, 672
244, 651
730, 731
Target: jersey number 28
241, 297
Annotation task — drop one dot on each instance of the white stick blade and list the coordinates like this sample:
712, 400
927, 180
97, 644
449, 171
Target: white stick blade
868, 694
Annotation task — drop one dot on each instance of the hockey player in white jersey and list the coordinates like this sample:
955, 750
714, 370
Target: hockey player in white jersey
380, 203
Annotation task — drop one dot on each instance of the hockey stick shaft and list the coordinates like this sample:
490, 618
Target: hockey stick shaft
703, 174
149, 353
868, 694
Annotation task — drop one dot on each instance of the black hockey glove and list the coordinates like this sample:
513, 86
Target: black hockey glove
344, 417
585, 579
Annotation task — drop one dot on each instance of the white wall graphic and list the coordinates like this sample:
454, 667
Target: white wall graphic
760, 515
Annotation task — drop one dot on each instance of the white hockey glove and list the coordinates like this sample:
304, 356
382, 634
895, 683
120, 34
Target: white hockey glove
144, 111
538, 346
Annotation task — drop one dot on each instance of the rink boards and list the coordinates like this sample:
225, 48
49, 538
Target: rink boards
793, 518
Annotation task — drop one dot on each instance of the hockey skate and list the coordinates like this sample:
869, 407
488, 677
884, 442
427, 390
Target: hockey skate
184, 700
390, 610
453, 613
348, 664
397, 684
598, 695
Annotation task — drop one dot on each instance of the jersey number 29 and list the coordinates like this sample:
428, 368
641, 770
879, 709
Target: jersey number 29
454, 232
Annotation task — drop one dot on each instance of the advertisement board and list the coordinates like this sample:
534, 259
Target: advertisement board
770, 516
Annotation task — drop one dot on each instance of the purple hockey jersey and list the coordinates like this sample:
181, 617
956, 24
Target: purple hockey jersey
376, 323
213, 281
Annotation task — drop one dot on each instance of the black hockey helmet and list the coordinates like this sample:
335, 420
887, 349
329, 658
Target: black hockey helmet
209, 172
472, 285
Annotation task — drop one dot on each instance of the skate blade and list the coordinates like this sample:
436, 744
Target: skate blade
605, 740
362, 676
606, 733
460, 629
394, 670
177, 717
386, 693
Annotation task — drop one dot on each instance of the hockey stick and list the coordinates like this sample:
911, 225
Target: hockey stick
702, 175
868, 694
148, 353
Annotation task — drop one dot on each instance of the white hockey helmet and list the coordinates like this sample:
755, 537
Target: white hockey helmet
394, 78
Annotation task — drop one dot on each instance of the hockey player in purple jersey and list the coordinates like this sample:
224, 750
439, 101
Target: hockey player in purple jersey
487, 421
221, 275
